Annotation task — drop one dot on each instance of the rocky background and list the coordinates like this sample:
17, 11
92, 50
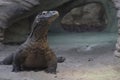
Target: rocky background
89, 17
117, 5
75, 16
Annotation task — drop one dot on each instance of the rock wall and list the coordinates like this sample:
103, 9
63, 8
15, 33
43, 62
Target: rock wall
90, 17
117, 5
110, 13
109, 10
13, 35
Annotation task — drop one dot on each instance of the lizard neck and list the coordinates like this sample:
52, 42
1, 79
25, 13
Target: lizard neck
39, 31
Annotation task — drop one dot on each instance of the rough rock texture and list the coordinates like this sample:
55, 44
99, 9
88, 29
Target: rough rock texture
117, 5
19, 30
12, 10
89, 17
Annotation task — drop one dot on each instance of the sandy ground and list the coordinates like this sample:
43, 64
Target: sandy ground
91, 62
98, 63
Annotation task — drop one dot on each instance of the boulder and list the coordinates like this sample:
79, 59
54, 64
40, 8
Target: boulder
89, 17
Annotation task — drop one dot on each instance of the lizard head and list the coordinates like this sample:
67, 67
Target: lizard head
46, 16
42, 22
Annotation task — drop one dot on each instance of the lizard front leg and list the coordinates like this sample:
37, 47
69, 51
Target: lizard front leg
51, 62
18, 59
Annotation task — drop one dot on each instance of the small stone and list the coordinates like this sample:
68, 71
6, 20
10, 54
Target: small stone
90, 59
55, 76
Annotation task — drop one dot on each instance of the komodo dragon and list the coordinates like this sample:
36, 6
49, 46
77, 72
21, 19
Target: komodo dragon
35, 52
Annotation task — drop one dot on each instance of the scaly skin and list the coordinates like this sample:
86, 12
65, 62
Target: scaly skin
35, 52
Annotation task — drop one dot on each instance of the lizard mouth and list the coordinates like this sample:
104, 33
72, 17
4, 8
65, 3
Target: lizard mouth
54, 15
